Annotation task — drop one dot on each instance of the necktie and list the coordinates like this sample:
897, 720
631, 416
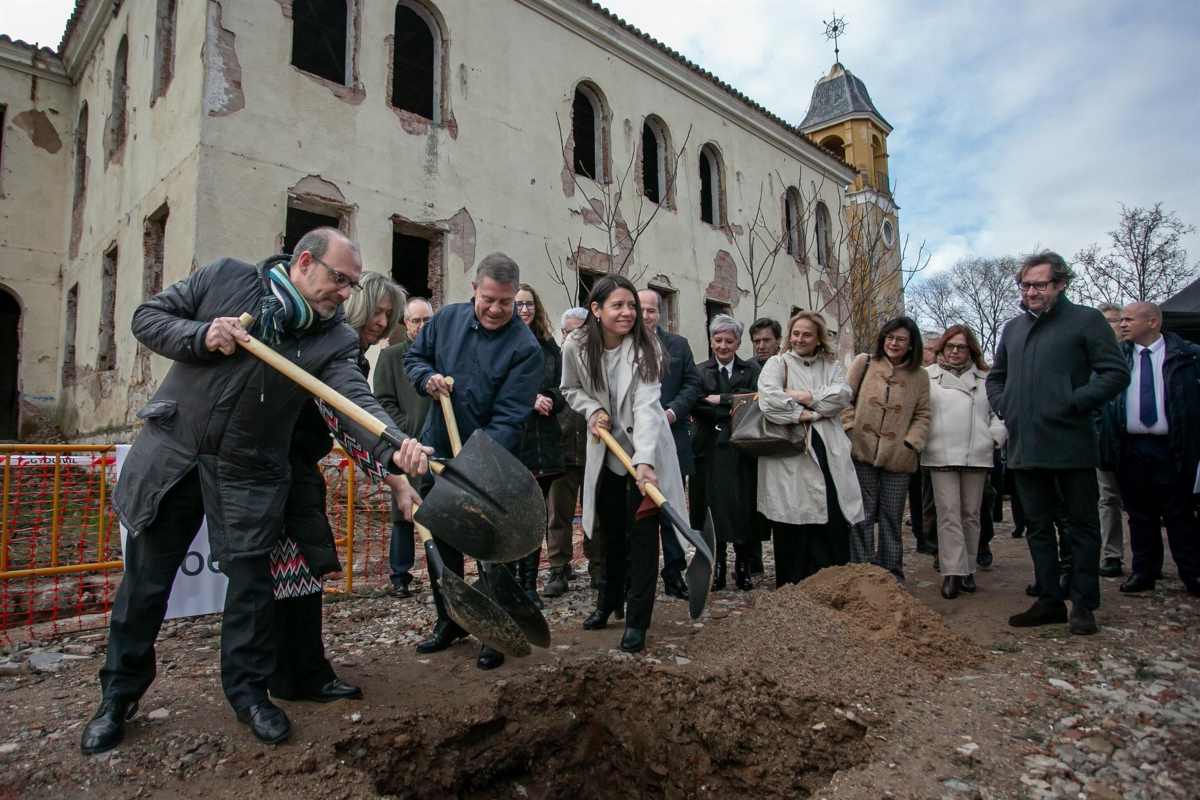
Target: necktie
1148, 411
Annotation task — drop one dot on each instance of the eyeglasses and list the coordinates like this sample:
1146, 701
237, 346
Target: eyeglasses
340, 279
896, 339
526, 304
954, 348
1039, 287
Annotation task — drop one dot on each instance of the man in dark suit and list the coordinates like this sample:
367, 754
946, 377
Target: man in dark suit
680, 391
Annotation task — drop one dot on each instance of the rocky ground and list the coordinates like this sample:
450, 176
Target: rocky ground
847, 687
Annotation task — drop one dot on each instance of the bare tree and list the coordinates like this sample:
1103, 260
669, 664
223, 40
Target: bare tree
976, 292
603, 209
1144, 261
757, 255
933, 301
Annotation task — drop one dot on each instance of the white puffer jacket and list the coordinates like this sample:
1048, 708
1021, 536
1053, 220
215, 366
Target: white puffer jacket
963, 430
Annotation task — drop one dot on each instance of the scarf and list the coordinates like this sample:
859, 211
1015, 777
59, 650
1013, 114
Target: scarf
283, 309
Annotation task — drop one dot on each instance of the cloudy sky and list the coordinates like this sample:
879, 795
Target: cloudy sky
1017, 124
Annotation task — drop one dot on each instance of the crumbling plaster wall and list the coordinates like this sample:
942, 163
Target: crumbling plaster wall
34, 166
501, 162
159, 165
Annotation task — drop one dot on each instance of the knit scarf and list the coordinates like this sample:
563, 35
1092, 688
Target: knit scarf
284, 309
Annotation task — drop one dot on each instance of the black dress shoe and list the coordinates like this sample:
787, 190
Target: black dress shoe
1137, 583
1082, 622
1018, 532
674, 586
968, 584
950, 586
634, 640
268, 722
1043, 612
741, 571
106, 729
336, 689
489, 658
1111, 568
718, 583
984, 557
400, 590
596, 620
445, 633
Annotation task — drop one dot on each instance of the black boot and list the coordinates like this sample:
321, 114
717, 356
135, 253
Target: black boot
529, 573
445, 633
489, 658
950, 586
106, 729
599, 618
719, 568
633, 640
741, 572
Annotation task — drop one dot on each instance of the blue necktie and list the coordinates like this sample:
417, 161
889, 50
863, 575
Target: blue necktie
1148, 410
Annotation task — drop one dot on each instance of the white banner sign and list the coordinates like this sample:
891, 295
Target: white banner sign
199, 587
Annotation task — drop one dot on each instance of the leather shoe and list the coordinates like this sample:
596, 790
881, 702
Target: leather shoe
1111, 568
106, 729
1018, 532
984, 557
926, 547
950, 586
268, 722
1043, 612
489, 658
1033, 590
445, 633
1082, 622
1137, 583
596, 620
336, 689
674, 586
968, 584
634, 640
400, 590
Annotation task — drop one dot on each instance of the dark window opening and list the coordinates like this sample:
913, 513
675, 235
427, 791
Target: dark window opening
711, 309
10, 358
116, 118
410, 264
706, 189
154, 241
3, 109
68, 369
319, 38
651, 164
300, 222
822, 232
668, 308
413, 64
106, 357
583, 130
791, 213
164, 47
586, 281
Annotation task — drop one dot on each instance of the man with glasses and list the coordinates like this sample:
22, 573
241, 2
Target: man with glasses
497, 368
1057, 364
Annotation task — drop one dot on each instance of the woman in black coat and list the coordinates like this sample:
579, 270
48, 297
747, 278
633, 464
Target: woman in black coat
724, 481
541, 441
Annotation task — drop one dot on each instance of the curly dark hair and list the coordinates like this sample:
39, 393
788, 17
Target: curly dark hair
913, 356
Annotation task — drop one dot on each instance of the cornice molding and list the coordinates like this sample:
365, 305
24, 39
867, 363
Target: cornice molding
20, 57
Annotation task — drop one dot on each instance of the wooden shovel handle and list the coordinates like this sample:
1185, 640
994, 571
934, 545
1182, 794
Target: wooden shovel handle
451, 420
649, 489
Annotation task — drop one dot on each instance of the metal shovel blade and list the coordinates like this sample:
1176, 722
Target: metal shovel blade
486, 503
498, 583
475, 612
698, 574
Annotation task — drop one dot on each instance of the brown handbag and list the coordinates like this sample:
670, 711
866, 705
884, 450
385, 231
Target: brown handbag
755, 435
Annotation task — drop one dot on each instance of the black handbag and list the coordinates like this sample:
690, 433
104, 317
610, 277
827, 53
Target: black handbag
755, 435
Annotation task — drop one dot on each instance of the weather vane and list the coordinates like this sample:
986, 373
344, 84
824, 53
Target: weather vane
833, 29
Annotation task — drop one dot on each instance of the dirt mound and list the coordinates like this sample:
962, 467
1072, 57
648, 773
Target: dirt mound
585, 730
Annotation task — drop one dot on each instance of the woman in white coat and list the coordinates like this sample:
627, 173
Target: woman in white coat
611, 368
963, 432
810, 498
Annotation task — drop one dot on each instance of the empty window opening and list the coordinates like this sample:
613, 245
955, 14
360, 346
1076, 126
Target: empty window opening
3, 109
154, 240
879, 164
652, 177
586, 281
710, 186
164, 48
68, 369
791, 217
106, 338
81, 136
587, 114
410, 263
120, 96
415, 62
319, 36
668, 308
299, 222
10, 357
711, 309
835, 145
822, 232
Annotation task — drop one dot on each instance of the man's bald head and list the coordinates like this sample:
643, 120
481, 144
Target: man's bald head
1141, 323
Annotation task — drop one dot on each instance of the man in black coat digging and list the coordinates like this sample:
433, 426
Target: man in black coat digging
215, 445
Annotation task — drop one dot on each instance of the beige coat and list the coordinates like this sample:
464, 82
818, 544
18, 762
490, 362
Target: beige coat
791, 489
963, 429
889, 421
641, 414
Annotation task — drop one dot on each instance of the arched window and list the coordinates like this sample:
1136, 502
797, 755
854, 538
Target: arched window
879, 163
587, 132
80, 174
835, 145
822, 225
164, 48
656, 150
793, 225
712, 186
319, 34
120, 94
416, 61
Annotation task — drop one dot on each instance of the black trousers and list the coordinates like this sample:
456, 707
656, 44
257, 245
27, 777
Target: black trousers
152, 560
1042, 491
300, 663
1157, 493
916, 504
802, 550
631, 548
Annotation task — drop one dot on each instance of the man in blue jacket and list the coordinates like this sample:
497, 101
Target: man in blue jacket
496, 364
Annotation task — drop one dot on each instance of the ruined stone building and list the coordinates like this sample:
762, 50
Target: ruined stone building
162, 134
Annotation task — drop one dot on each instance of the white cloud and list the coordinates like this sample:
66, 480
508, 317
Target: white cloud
36, 21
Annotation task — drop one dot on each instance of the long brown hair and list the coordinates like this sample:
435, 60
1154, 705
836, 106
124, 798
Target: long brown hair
541, 323
818, 320
972, 345
644, 347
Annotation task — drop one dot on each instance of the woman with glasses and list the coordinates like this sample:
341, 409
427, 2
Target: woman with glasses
306, 551
963, 435
888, 424
541, 441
